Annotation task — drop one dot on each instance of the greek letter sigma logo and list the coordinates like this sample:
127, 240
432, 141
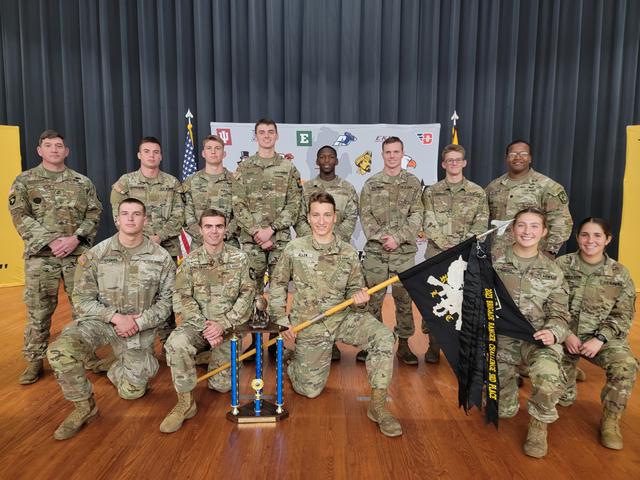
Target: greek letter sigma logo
425, 138
345, 139
225, 135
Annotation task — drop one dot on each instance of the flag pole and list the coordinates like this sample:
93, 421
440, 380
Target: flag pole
302, 326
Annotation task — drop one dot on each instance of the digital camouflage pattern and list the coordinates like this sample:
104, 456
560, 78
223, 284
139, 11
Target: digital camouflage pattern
218, 288
391, 206
203, 191
602, 302
266, 192
507, 197
539, 290
346, 206
162, 196
453, 213
111, 279
44, 206
324, 276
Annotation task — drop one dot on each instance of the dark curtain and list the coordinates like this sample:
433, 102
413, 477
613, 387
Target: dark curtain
563, 74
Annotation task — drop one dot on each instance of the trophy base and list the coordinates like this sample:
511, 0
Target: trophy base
268, 414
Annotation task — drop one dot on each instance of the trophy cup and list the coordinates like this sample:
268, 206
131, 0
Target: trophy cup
259, 410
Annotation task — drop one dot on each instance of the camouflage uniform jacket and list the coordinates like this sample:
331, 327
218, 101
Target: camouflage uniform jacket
203, 191
391, 206
162, 196
215, 287
346, 206
453, 213
534, 190
602, 302
112, 279
540, 292
47, 205
266, 192
323, 276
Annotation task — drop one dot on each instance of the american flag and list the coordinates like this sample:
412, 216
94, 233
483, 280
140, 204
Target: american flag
189, 167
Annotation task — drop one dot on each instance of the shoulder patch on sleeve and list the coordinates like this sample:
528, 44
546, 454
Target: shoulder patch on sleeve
562, 196
12, 199
82, 260
119, 187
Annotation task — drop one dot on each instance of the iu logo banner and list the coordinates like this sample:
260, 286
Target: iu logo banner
225, 135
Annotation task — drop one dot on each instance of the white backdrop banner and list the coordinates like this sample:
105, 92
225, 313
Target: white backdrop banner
359, 150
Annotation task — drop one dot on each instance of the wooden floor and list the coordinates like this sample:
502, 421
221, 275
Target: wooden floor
328, 437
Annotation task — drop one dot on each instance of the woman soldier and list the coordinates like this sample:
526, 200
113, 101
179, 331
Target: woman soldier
602, 300
537, 286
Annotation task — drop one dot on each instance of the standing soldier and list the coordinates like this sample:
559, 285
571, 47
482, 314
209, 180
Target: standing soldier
326, 271
123, 292
266, 201
391, 216
214, 291
161, 193
344, 195
523, 187
56, 212
454, 210
210, 188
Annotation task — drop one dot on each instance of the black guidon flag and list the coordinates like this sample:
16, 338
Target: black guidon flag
465, 305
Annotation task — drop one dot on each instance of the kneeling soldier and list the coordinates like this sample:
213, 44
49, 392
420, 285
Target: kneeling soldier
325, 271
214, 291
123, 290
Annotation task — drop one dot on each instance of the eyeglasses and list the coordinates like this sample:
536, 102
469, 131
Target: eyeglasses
454, 160
518, 154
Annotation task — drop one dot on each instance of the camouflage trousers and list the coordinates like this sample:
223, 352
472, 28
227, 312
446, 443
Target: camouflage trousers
309, 369
135, 363
545, 372
621, 369
262, 261
182, 346
169, 325
379, 267
42, 280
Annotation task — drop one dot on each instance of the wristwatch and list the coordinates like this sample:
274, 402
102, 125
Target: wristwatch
600, 337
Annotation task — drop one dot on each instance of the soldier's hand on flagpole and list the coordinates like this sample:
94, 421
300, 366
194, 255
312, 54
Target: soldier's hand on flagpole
545, 336
573, 344
361, 298
289, 334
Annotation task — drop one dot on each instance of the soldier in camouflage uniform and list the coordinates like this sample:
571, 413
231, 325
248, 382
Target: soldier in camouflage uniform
266, 201
342, 192
325, 271
210, 188
454, 210
215, 292
537, 286
391, 216
523, 187
602, 301
56, 212
123, 292
162, 195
